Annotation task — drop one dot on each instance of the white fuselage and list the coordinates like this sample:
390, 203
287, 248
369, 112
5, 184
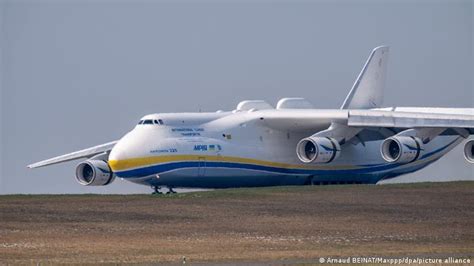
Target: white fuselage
238, 149
292, 143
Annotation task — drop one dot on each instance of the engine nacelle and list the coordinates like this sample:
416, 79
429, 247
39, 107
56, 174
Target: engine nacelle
318, 150
469, 151
94, 173
401, 149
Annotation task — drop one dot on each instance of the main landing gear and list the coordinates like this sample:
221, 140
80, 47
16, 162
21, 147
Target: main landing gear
171, 191
156, 190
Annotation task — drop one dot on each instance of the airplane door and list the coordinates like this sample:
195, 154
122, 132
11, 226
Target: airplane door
202, 166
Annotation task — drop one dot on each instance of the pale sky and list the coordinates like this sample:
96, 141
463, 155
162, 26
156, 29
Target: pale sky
79, 73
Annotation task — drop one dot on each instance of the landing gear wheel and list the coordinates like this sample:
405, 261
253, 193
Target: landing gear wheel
156, 190
171, 191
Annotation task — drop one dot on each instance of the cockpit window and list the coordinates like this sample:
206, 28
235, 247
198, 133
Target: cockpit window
151, 122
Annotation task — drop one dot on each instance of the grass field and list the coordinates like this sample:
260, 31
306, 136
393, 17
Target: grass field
262, 225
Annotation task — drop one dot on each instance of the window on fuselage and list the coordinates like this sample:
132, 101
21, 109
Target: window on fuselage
148, 122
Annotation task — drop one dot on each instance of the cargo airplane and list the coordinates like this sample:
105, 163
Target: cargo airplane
293, 143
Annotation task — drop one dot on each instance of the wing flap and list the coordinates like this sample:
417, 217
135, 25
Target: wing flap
85, 153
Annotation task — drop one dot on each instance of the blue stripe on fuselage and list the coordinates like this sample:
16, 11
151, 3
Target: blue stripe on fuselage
166, 167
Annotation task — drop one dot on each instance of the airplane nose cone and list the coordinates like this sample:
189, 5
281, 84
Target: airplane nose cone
128, 148
115, 154
116, 157
119, 154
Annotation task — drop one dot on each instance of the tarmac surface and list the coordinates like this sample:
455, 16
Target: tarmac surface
261, 226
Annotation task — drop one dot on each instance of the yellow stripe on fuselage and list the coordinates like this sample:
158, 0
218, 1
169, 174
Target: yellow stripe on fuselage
134, 163
120, 165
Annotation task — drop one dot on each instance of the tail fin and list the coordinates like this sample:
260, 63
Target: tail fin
367, 91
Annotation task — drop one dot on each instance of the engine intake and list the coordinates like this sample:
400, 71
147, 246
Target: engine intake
469, 151
401, 149
318, 150
94, 173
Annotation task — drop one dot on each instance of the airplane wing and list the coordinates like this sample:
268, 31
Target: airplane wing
399, 118
402, 119
85, 153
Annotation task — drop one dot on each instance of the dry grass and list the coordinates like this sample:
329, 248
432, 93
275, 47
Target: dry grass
268, 224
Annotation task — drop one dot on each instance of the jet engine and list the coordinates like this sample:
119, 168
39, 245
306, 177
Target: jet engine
469, 151
94, 173
318, 150
401, 149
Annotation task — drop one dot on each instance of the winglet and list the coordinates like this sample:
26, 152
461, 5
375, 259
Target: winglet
367, 91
